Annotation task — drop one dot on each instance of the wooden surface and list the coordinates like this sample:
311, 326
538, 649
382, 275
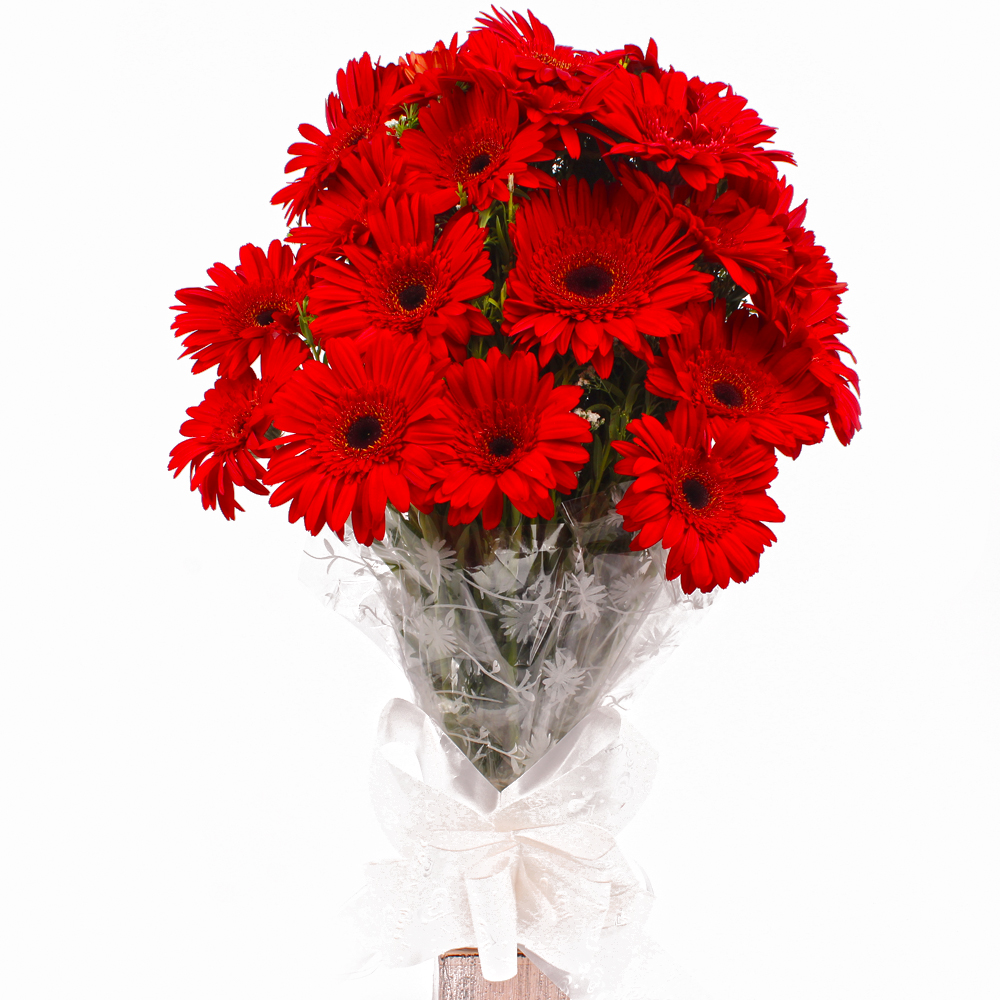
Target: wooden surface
459, 978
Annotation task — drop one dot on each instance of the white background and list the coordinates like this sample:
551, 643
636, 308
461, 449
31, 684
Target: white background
185, 731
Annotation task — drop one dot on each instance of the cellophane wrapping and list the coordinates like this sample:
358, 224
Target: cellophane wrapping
509, 637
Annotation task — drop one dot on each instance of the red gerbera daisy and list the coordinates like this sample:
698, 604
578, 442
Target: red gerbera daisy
840, 381
368, 174
796, 288
804, 302
537, 57
705, 504
687, 124
772, 194
739, 241
227, 323
739, 370
593, 266
400, 281
228, 427
473, 139
729, 231
552, 82
357, 433
643, 62
430, 73
365, 99
506, 432
807, 296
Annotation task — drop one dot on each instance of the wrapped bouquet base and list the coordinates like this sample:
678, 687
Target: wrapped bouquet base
503, 788
510, 636
517, 894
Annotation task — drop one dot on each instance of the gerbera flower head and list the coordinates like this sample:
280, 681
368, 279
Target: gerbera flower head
227, 323
803, 301
429, 74
536, 57
506, 432
730, 232
845, 410
637, 61
365, 99
695, 127
402, 282
357, 430
741, 241
552, 82
807, 292
705, 503
227, 429
772, 194
740, 370
474, 139
368, 174
593, 266
840, 382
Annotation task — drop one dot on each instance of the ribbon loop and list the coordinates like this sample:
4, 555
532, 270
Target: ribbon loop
572, 840
493, 905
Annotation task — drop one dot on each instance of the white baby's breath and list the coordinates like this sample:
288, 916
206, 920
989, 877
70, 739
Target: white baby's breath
594, 419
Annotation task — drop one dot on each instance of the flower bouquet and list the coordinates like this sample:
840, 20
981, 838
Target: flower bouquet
549, 319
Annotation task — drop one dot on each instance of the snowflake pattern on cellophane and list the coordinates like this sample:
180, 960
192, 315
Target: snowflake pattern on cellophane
511, 641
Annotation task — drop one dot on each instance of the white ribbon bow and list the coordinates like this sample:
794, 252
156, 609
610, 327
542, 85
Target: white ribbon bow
534, 866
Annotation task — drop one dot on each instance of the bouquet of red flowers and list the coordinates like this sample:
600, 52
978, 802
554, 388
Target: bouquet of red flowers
550, 317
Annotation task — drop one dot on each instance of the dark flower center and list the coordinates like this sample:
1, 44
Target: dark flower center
728, 394
265, 317
478, 164
696, 493
502, 446
412, 297
364, 432
591, 281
